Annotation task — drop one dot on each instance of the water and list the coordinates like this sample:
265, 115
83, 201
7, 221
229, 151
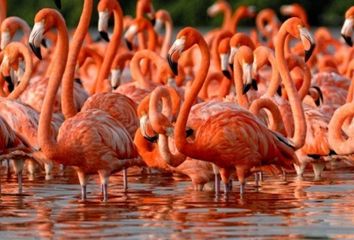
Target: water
164, 207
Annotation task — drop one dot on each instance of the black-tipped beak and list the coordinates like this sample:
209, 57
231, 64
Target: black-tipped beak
44, 43
189, 132
246, 88
78, 80
319, 100
227, 74
36, 51
104, 35
10, 84
348, 40
231, 66
153, 21
308, 53
115, 87
279, 91
58, 3
254, 84
152, 139
173, 65
129, 44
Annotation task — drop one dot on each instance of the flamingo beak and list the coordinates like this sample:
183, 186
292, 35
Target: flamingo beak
44, 43
213, 10
129, 35
104, 36
58, 3
247, 78
158, 25
319, 100
5, 39
347, 31
36, 38
233, 52
103, 18
10, 84
174, 54
224, 64
307, 42
115, 78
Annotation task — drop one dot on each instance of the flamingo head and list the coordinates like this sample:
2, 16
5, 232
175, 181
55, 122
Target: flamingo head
103, 19
214, 9
244, 58
347, 30
45, 19
316, 93
137, 26
185, 39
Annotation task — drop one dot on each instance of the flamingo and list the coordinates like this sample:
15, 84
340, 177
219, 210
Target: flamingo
224, 138
295, 10
163, 18
267, 24
92, 141
221, 6
9, 27
21, 117
118, 67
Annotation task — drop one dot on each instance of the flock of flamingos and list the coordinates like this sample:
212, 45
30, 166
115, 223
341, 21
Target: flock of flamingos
217, 107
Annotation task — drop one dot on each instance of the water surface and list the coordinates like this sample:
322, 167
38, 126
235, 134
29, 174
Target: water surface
164, 207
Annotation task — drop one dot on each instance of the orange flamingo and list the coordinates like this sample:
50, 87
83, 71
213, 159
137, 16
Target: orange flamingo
118, 67
22, 118
347, 29
212, 137
221, 6
267, 24
91, 141
295, 10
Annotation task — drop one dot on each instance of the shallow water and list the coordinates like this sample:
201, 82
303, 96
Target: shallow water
162, 207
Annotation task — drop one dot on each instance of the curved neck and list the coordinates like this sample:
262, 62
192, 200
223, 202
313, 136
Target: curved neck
335, 137
227, 11
97, 58
112, 47
275, 120
46, 138
275, 78
167, 38
294, 100
67, 99
306, 82
135, 66
180, 129
172, 159
235, 19
26, 76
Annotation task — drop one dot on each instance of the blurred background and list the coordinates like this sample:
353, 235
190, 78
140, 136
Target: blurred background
191, 12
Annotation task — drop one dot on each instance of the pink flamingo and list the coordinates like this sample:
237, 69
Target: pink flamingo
91, 141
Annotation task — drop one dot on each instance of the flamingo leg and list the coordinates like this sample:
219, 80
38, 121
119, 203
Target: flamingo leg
318, 169
8, 171
216, 179
83, 182
48, 170
105, 192
125, 179
19, 180
104, 176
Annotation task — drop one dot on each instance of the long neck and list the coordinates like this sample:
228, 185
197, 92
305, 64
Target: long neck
97, 58
112, 47
306, 82
294, 100
226, 9
167, 39
180, 128
172, 159
275, 78
26, 76
46, 139
3, 9
237, 16
335, 137
135, 68
67, 99
275, 120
